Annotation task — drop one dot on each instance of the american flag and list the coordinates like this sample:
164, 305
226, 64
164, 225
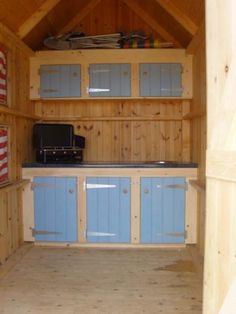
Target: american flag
3, 155
3, 76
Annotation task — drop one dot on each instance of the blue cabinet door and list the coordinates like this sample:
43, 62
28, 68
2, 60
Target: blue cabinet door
110, 80
108, 210
58, 81
160, 79
55, 209
163, 210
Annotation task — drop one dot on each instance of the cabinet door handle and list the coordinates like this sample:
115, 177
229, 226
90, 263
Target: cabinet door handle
146, 191
71, 191
125, 191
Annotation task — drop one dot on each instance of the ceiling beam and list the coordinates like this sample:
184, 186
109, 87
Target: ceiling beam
197, 39
36, 17
147, 18
179, 16
79, 17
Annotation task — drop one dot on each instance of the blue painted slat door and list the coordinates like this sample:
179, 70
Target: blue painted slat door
109, 80
58, 81
55, 209
163, 210
150, 79
160, 79
108, 210
125, 80
165, 80
176, 80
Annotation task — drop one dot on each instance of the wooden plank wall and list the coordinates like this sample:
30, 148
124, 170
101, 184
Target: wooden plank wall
220, 253
131, 131
11, 233
198, 134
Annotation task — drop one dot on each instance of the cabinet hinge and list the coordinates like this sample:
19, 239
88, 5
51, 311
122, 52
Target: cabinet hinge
173, 186
43, 232
42, 185
173, 234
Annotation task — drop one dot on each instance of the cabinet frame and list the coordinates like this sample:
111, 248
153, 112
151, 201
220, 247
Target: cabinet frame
135, 174
131, 56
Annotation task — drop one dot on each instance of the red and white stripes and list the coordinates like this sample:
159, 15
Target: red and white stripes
3, 76
3, 155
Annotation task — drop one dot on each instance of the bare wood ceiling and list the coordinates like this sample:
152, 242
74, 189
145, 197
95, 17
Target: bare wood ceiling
167, 20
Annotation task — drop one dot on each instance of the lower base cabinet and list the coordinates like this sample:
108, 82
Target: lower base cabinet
108, 209
55, 209
163, 210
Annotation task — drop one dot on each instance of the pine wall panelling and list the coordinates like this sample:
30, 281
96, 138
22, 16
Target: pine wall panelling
20, 148
122, 130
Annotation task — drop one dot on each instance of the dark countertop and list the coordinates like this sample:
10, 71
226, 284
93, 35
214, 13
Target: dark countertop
157, 164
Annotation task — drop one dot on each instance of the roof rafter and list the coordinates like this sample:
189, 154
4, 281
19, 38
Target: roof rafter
197, 39
179, 16
146, 17
36, 17
80, 16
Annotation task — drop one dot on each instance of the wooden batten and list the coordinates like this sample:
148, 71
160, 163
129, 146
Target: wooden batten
197, 40
197, 117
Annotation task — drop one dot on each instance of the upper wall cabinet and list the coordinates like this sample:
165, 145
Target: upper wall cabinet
110, 80
160, 79
125, 73
59, 81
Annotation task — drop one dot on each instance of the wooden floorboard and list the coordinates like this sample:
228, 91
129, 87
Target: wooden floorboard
106, 281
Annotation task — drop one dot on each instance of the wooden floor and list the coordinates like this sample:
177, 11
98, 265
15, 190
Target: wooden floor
106, 281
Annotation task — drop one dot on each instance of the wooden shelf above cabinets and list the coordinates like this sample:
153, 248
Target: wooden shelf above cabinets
147, 118
112, 98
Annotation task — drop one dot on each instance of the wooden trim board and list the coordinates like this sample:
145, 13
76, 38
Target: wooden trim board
115, 172
111, 246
